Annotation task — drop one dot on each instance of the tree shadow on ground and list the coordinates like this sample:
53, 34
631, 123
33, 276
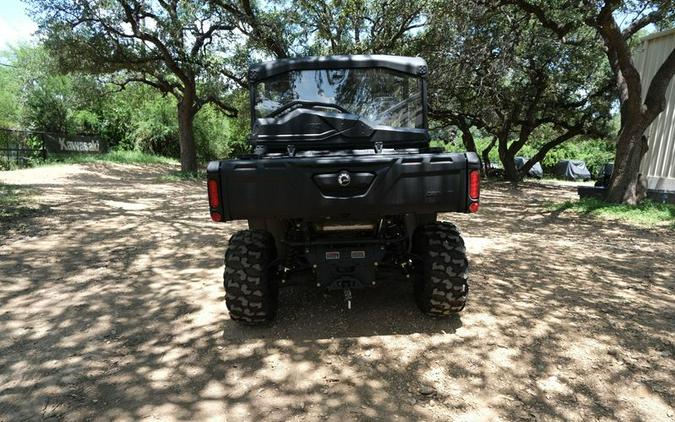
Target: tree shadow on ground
114, 309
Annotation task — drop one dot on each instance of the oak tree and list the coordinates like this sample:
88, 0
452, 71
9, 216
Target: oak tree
616, 23
496, 69
179, 47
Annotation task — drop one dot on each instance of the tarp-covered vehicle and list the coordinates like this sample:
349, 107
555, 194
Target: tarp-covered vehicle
535, 171
342, 189
572, 170
605, 174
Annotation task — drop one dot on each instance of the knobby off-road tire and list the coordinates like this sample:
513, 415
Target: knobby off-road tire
442, 285
250, 293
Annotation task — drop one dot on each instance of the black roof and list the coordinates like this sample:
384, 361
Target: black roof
412, 65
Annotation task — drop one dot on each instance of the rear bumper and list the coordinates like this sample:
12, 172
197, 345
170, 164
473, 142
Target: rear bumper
308, 187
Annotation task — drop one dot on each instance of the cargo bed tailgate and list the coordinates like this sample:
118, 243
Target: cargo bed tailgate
367, 185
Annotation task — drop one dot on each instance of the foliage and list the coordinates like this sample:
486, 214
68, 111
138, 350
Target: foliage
9, 94
595, 152
137, 119
152, 126
647, 213
360, 26
616, 25
218, 137
121, 157
143, 74
177, 48
499, 70
43, 98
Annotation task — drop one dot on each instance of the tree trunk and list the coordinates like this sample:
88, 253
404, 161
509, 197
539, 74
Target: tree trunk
508, 161
541, 154
625, 184
188, 150
467, 137
486, 155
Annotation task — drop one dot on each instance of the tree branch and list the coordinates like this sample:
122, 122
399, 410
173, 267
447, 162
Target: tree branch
571, 133
160, 84
648, 19
260, 31
628, 77
154, 40
655, 101
220, 104
540, 14
203, 37
236, 79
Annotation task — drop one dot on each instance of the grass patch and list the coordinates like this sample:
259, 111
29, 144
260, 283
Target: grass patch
13, 200
551, 180
121, 157
647, 213
181, 176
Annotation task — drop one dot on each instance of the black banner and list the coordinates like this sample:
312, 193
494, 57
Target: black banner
74, 144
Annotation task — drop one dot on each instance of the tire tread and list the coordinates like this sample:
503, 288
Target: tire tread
443, 287
250, 293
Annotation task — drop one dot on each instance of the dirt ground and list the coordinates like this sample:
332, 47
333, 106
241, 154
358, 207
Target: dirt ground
111, 308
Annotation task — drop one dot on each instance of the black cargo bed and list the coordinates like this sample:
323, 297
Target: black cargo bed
308, 187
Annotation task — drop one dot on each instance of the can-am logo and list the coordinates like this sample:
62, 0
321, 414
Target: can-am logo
78, 146
344, 179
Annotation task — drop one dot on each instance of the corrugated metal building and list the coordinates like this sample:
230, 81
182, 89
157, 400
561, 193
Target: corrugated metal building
659, 162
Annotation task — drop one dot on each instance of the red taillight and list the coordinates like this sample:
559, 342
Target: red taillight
474, 184
216, 216
473, 207
214, 198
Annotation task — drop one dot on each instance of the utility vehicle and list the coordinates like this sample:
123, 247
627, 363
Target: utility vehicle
341, 188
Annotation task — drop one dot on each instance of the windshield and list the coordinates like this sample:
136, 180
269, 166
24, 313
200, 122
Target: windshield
379, 96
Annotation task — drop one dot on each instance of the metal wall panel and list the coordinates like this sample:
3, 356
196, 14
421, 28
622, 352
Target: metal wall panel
659, 162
